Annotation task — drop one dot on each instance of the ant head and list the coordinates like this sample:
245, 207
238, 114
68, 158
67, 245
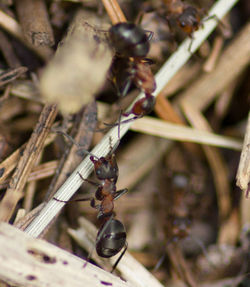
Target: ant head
106, 168
111, 238
181, 227
189, 20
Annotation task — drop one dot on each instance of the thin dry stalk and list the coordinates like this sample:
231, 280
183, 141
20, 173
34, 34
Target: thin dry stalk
8, 52
9, 76
167, 130
243, 173
11, 26
7, 166
44, 264
232, 62
35, 23
114, 11
213, 58
166, 111
30, 154
215, 160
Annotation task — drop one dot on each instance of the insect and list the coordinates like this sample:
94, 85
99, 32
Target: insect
111, 237
129, 40
130, 65
187, 17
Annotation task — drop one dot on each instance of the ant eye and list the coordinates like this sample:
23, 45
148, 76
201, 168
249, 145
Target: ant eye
183, 24
98, 171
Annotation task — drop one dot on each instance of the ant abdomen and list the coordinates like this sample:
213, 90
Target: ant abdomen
111, 238
129, 40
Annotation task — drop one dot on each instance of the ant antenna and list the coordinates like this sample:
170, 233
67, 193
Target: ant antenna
72, 140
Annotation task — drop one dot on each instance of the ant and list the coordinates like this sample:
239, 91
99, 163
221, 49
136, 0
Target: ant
187, 17
130, 65
111, 237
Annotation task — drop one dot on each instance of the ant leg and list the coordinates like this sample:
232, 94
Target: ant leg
150, 34
59, 131
123, 122
203, 250
89, 181
190, 44
125, 88
105, 226
161, 260
120, 257
225, 29
159, 263
74, 200
119, 193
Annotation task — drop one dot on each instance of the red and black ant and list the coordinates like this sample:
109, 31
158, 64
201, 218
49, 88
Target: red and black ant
130, 65
187, 17
111, 237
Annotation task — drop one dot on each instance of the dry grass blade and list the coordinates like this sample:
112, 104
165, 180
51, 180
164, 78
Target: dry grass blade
35, 23
114, 11
33, 262
167, 130
207, 87
7, 166
215, 160
243, 174
30, 154
10, 25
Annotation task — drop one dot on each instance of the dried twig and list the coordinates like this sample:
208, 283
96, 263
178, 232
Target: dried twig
114, 11
11, 75
43, 264
167, 130
35, 23
243, 173
10, 25
229, 66
30, 154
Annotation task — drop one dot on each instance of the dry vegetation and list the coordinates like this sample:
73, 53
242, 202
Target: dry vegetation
187, 165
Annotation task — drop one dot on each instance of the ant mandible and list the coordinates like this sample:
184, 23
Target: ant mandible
130, 65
